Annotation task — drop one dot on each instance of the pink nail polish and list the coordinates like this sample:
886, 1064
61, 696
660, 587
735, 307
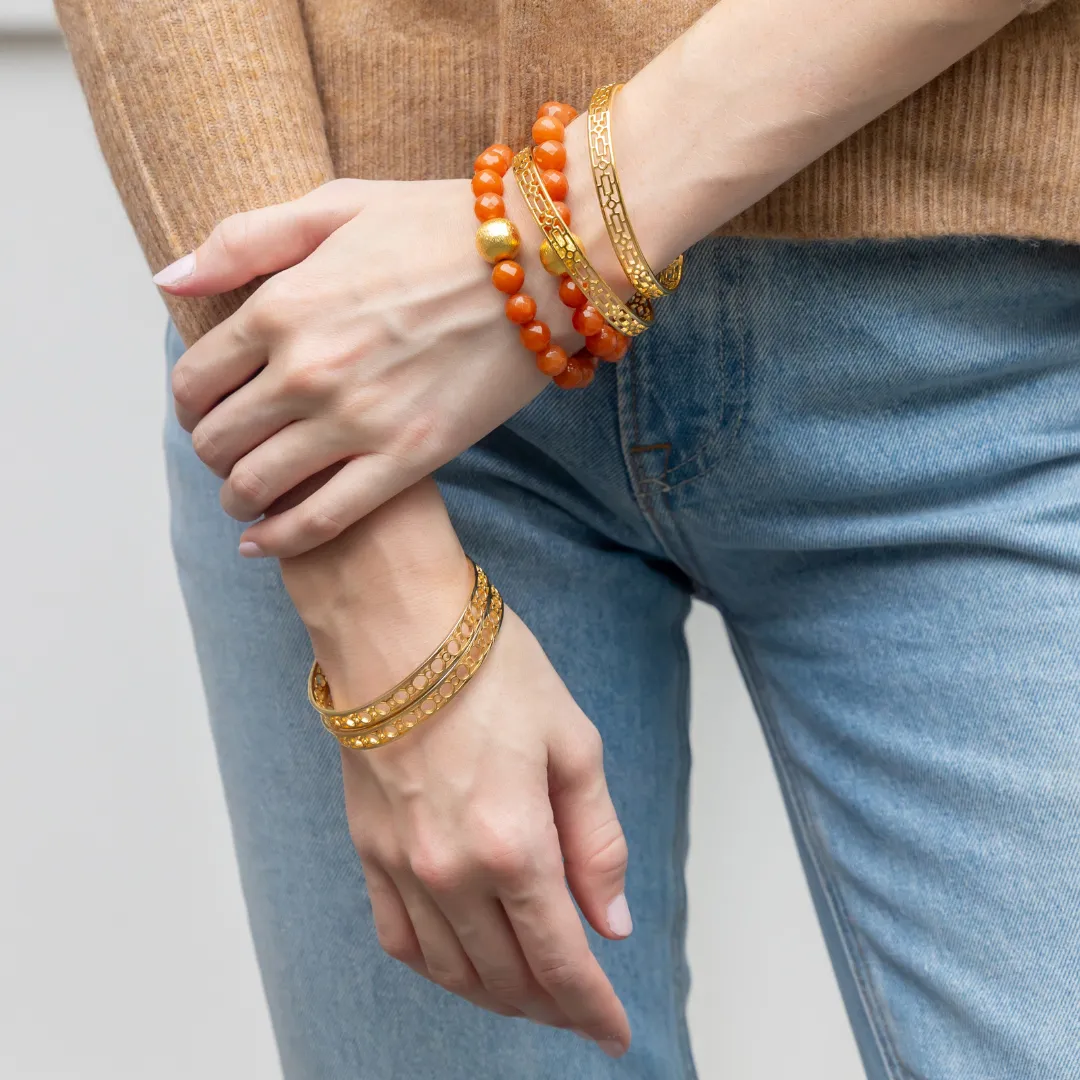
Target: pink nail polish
618, 916
250, 550
612, 1047
177, 271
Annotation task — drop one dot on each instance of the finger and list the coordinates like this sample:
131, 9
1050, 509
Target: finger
247, 245
262, 476
392, 923
218, 363
553, 939
485, 933
593, 845
359, 487
446, 961
242, 421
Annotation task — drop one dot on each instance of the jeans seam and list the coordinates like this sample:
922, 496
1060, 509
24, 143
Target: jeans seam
874, 1008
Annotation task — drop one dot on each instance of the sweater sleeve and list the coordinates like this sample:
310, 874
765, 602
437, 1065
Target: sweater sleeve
202, 108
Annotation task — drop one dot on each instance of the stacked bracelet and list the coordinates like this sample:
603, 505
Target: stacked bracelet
424, 691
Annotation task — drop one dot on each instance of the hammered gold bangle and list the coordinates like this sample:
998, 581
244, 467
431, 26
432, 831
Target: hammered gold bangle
433, 670
468, 664
609, 194
631, 318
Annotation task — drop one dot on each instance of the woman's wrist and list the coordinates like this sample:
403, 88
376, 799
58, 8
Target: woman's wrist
381, 596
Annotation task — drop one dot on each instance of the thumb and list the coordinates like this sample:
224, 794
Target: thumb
255, 242
593, 845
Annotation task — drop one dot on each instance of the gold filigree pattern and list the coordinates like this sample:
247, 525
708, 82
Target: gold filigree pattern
609, 193
631, 318
466, 667
431, 673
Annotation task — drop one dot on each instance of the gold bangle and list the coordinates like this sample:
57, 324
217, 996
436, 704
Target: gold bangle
416, 683
467, 666
609, 194
631, 318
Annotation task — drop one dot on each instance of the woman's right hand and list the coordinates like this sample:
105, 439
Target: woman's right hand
471, 829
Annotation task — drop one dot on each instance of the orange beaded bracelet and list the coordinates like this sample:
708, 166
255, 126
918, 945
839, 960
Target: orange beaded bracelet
498, 241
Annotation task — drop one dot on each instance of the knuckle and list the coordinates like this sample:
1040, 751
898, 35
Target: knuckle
504, 851
456, 980
507, 986
245, 486
559, 973
182, 389
233, 236
264, 316
609, 852
438, 873
399, 944
319, 525
311, 377
206, 449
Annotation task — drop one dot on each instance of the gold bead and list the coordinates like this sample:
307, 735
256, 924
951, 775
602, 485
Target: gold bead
497, 239
551, 260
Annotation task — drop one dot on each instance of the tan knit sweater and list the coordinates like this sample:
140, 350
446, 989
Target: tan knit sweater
206, 107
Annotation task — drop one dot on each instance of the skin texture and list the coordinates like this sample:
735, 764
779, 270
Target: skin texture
384, 348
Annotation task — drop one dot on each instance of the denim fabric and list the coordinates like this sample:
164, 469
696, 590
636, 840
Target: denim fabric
867, 456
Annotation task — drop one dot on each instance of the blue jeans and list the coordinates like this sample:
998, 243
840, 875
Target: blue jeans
866, 455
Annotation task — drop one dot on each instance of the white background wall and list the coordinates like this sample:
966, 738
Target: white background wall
124, 952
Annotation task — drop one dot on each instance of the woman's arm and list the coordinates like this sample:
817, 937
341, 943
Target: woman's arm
751, 94
203, 108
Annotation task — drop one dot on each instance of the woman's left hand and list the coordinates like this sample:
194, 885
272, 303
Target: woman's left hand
380, 349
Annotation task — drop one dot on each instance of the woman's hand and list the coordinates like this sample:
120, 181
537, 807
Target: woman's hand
463, 828
381, 344
472, 827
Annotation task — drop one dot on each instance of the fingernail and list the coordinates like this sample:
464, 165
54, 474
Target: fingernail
612, 1047
618, 916
175, 272
250, 550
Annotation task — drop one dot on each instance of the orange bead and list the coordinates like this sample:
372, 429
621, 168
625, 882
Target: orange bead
563, 211
504, 152
535, 336
556, 184
550, 155
570, 293
487, 180
604, 343
497, 158
552, 360
562, 112
621, 351
572, 376
508, 276
521, 309
489, 206
587, 320
587, 376
547, 127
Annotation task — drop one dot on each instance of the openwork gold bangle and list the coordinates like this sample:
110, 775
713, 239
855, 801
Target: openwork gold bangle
466, 667
631, 318
434, 669
609, 194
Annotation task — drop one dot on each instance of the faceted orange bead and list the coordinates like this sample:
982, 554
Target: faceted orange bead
621, 351
556, 184
504, 152
570, 293
550, 155
535, 336
563, 211
604, 343
552, 360
572, 376
561, 111
487, 180
588, 321
521, 308
547, 127
508, 276
489, 206
497, 158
